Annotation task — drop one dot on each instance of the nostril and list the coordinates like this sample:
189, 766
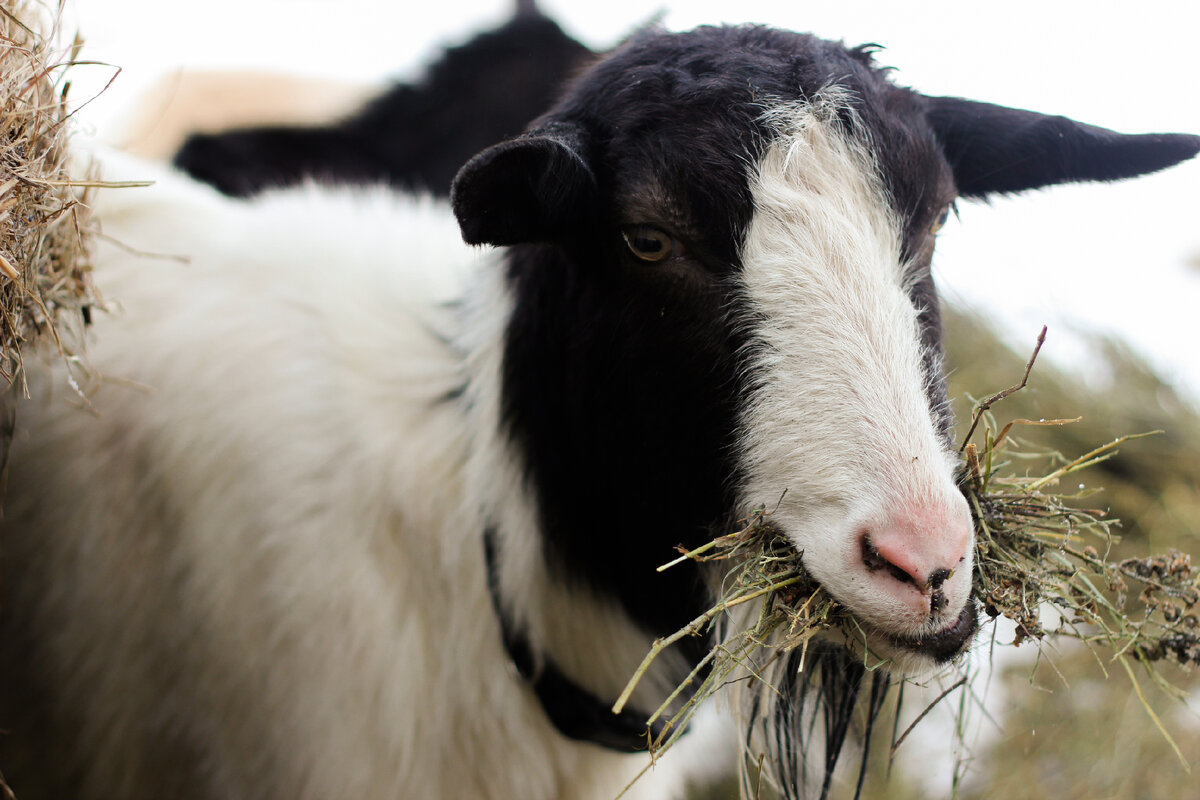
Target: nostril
875, 561
939, 577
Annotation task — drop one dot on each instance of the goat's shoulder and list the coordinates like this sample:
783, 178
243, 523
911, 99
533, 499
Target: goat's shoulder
228, 326
269, 399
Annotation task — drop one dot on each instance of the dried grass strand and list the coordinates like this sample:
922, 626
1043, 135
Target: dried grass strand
45, 254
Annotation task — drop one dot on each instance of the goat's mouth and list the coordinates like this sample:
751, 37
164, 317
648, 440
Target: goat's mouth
947, 643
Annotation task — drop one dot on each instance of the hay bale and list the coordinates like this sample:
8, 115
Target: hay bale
45, 286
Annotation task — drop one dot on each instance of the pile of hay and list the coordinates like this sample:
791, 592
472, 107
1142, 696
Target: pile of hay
45, 288
1043, 559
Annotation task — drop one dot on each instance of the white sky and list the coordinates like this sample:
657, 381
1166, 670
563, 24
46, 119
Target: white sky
1082, 257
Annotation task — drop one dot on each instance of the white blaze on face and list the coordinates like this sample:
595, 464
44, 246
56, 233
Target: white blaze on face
839, 425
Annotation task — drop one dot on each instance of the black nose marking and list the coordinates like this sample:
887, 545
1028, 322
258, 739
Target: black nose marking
938, 577
937, 601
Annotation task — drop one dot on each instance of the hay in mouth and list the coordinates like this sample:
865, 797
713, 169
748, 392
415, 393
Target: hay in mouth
1041, 554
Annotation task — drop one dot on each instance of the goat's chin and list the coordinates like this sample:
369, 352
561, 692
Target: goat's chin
917, 655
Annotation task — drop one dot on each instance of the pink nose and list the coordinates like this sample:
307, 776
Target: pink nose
922, 548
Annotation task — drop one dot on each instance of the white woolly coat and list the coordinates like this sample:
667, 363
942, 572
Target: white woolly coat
249, 563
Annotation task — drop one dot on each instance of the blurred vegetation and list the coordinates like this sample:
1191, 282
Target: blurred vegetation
1152, 485
1066, 730
1089, 741
1073, 726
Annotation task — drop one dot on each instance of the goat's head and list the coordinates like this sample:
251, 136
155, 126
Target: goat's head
722, 299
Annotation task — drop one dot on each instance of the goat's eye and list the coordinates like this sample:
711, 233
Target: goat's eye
941, 220
649, 243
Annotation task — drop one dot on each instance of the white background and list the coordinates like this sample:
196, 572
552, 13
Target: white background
1077, 258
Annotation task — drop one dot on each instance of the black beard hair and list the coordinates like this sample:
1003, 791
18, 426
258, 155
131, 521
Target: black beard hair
802, 706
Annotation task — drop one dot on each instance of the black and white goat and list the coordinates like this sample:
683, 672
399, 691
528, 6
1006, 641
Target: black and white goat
344, 472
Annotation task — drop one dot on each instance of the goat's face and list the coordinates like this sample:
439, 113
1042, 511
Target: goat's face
722, 301
844, 429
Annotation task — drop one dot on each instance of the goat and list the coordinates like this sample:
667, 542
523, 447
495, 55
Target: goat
360, 511
412, 136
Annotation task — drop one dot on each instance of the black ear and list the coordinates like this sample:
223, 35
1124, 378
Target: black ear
532, 188
996, 149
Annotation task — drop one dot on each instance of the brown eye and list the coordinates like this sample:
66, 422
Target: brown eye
941, 220
649, 243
